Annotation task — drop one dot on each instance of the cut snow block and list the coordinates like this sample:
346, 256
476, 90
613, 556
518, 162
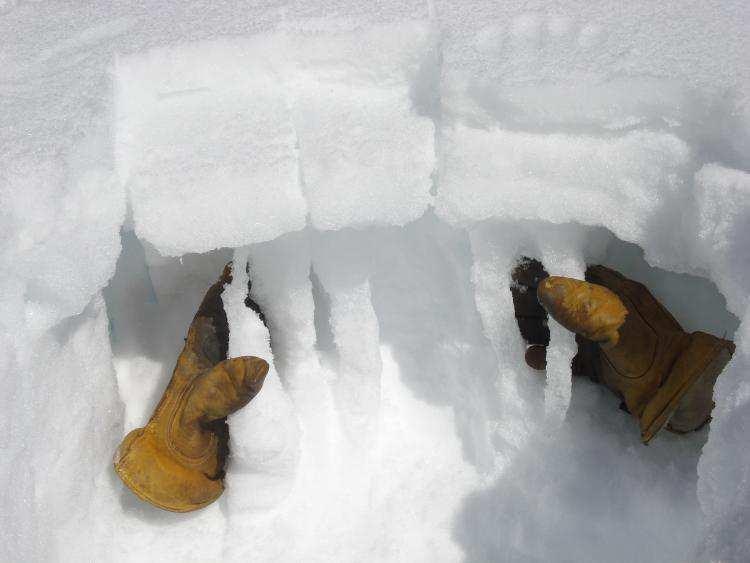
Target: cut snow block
367, 154
367, 158
622, 182
206, 145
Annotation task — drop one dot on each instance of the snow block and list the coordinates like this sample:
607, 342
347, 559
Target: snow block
367, 155
210, 136
619, 182
206, 145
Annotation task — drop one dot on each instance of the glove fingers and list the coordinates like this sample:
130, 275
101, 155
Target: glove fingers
588, 309
226, 388
530, 315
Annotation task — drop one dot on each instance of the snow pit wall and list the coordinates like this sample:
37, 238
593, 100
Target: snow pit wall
423, 389
240, 149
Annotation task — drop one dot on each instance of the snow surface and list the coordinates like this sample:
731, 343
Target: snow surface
380, 167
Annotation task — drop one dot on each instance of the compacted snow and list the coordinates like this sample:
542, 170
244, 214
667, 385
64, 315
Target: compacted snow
379, 168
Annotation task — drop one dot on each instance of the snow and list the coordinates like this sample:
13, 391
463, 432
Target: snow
220, 108
366, 156
625, 182
723, 201
266, 119
265, 438
380, 168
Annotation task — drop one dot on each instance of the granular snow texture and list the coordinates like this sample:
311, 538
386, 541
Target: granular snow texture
379, 168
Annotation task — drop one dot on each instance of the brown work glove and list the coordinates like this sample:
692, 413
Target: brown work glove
629, 342
176, 462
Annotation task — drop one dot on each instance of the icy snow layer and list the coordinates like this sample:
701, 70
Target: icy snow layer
399, 422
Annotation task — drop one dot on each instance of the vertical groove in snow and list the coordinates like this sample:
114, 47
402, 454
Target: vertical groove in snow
356, 334
342, 261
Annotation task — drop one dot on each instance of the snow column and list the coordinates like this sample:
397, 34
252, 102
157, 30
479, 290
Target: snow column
342, 263
561, 252
496, 248
281, 286
265, 433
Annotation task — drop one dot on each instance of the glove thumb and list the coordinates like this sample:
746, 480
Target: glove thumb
225, 388
588, 309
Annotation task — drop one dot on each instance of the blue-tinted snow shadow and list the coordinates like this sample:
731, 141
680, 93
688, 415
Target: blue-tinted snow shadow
423, 298
590, 492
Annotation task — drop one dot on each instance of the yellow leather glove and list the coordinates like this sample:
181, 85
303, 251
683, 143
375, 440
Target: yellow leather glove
176, 462
634, 346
